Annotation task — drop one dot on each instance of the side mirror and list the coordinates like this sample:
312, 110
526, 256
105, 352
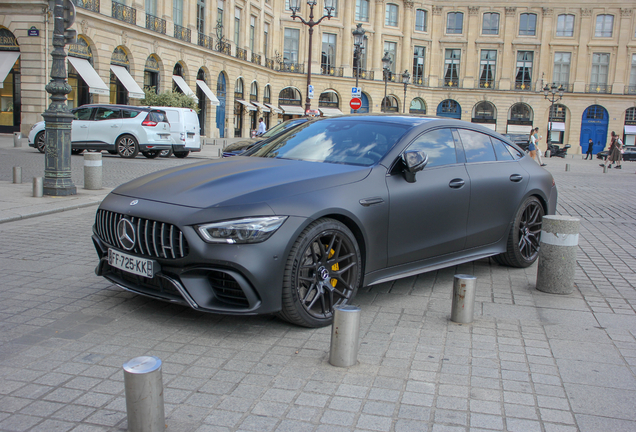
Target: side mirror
414, 162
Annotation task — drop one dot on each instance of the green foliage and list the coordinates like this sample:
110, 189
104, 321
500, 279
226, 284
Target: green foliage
169, 99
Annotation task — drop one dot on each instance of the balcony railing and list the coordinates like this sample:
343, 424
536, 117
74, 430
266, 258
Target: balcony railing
205, 41
327, 104
182, 33
238, 95
451, 83
241, 53
420, 81
630, 89
91, 5
523, 86
269, 63
567, 88
224, 47
364, 74
296, 102
598, 88
331, 70
124, 13
488, 84
253, 98
266, 99
256, 59
292, 67
155, 24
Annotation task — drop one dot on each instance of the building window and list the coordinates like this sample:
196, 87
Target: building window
421, 18
490, 25
565, 25
604, 24
632, 75
328, 56
362, 10
237, 26
527, 24
391, 15
561, 74
334, 12
419, 57
600, 69
219, 16
451, 67
177, 11
265, 39
523, 79
201, 16
391, 48
151, 7
252, 32
287, 5
487, 68
290, 49
454, 23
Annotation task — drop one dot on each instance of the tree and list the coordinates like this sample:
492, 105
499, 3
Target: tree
170, 99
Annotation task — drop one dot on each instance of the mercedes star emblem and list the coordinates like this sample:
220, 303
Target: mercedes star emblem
126, 234
134, 202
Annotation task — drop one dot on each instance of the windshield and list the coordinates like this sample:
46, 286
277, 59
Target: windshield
280, 127
340, 140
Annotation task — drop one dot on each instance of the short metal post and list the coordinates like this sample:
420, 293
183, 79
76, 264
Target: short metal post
92, 171
604, 169
17, 139
463, 298
557, 254
17, 174
345, 334
548, 153
144, 395
38, 187
567, 167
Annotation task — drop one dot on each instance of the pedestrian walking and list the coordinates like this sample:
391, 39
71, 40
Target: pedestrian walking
261, 127
590, 147
535, 152
614, 155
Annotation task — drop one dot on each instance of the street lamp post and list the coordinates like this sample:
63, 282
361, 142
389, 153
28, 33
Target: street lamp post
358, 41
405, 79
553, 94
294, 5
386, 65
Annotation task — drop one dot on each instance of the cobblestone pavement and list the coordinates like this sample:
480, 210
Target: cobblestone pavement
530, 361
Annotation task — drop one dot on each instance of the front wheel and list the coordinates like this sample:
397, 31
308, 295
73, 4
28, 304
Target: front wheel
151, 154
127, 146
323, 270
40, 142
181, 154
523, 241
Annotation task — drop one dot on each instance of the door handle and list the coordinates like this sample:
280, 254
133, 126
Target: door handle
83, 126
366, 202
516, 178
456, 183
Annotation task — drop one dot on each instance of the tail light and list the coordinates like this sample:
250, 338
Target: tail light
148, 121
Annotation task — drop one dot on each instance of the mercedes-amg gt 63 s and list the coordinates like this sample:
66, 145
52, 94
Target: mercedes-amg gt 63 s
299, 225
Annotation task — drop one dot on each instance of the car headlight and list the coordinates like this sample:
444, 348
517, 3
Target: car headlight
248, 230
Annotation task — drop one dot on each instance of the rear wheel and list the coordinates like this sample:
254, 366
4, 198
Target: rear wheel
181, 154
127, 146
323, 270
151, 154
165, 153
113, 152
40, 142
523, 241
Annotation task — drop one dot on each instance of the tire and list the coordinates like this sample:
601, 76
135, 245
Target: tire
165, 153
40, 142
182, 154
77, 151
151, 154
127, 146
315, 281
113, 152
522, 249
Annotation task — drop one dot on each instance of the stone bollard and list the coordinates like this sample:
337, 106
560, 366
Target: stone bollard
144, 395
557, 254
345, 333
92, 171
17, 175
567, 167
463, 298
604, 169
38, 187
17, 139
548, 153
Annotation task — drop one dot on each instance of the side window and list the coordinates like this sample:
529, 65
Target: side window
83, 113
130, 114
158, 116
477, 146
439, 145
107, 114
502, 149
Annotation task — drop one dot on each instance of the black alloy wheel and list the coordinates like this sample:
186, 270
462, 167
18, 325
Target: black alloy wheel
323, 270
181, 154
40, 142
151, 154
525, 235
127, 146
77, 151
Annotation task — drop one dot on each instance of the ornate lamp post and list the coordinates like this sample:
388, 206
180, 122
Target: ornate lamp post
358, 41
294, 5
405, 79
553, 94
386, 72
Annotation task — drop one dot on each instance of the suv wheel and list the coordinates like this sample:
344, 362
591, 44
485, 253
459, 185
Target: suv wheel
127, 146
151, 154
181, 154
40, 142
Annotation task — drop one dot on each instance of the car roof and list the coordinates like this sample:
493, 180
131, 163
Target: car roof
131, 107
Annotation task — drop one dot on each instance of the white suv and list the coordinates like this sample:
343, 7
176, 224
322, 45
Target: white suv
120, 129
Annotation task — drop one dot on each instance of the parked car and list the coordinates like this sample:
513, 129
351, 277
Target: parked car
332, 205
521, 140
120, 129
238, 147
184, 130
629, 153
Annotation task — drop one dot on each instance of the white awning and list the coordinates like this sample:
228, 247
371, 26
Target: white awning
134, 91
274, 109
630, 130
330, 112
293, 110
519, 129
557, 126
247, 105
204, 87
261, 106
88, 74
492, 126
7, 60
185, 88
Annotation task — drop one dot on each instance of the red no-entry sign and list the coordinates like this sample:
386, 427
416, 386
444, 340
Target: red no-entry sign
355, 103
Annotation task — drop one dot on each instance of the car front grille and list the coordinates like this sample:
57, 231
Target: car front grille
227, 289
152, 238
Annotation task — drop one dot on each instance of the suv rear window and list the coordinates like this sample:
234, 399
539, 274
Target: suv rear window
157, 116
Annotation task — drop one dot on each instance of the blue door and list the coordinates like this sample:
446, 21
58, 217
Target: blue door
449, 108
594, 125
364, 108
220, 109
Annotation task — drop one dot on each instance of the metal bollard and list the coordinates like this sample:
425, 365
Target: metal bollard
557, 254
17, 175
463, 298
548, 153
567, 167
345, 334
38, 187
604, 169
144, 394
17, 139
92, 171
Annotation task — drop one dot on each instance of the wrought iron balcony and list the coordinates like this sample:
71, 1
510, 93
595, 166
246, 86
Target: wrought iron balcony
331, 70
292, 67
238, 95
205, 41
327, 104
363, 74
488, 84
420, 81
631, 89
155, 24
91, 5
598, 88
124, 13
182, 33
567, 88
241, 53
266, 99
450, 83
256, 58
523, 86
224, 47
269, 63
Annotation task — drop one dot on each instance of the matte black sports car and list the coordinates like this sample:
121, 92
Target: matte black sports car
334, 204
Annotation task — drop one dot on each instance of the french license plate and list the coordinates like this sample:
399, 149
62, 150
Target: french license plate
131, 264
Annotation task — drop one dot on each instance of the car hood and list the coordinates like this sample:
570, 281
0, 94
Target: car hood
239, 181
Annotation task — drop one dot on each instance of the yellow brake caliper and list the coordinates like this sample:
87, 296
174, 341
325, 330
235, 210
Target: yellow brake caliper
334, 267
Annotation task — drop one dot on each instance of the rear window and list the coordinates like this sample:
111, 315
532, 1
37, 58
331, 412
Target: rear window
157, 116
502, 149
477, 146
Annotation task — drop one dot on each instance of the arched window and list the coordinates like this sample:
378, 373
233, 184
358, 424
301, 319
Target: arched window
418, 106
267, 94
521, 112
238, 90
390, 104
254, 91
484, 110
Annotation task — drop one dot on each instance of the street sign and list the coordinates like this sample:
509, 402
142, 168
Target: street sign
310, 91
356, 92
355, 103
